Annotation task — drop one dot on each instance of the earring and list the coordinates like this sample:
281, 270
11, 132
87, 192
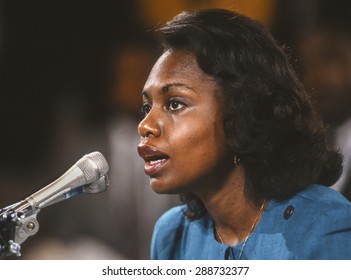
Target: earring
236, 160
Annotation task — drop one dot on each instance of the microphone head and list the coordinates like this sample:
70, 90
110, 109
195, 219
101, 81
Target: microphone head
93, 166
97, 186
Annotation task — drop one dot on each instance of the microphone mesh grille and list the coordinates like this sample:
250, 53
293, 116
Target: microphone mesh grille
100, 162
93, 165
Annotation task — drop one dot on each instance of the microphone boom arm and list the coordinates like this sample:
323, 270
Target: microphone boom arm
19, 221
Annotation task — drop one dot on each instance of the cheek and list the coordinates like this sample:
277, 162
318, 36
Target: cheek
201, 144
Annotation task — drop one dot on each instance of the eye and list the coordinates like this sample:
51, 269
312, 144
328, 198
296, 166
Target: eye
146, 108
175, 105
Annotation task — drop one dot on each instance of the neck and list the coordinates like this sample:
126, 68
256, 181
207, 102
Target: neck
234, 214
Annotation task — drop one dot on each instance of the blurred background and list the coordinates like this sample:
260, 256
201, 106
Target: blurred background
71, 73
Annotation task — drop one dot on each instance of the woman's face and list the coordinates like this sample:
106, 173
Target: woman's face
182, 137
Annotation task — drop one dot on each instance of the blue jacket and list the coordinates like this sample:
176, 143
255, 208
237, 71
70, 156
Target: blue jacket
314, 224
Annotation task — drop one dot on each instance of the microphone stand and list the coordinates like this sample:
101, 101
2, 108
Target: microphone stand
15, 228
19, 221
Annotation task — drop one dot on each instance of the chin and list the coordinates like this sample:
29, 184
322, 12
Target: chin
162, 187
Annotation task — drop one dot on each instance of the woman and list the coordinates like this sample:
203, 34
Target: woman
228, 126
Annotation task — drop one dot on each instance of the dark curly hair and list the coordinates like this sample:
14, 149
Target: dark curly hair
269, 120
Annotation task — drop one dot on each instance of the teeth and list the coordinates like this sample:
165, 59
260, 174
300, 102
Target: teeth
156, 161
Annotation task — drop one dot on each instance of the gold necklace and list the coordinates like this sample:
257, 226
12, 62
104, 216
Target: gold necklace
248, 235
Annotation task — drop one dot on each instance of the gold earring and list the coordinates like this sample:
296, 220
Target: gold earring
236, 160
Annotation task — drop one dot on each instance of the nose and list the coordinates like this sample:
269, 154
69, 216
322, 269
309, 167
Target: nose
150, 125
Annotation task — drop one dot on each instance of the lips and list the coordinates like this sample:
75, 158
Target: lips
154, 159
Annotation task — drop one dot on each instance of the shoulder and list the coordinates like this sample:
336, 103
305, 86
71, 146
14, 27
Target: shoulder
175, 237
330, 210
315, 223
316, 204
316, 199
321, 199
323, 194
171, 219
313, 208
167, 232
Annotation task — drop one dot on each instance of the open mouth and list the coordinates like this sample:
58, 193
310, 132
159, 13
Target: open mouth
154, 159
157, 161
152, 167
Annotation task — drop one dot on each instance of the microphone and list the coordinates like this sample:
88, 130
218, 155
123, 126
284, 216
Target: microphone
87, 175
95, 187
18, 221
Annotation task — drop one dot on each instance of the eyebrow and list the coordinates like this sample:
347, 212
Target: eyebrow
165, 89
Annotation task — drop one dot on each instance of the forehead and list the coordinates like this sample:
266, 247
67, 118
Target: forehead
179, 66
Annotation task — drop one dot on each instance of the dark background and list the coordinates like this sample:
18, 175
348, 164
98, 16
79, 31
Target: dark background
55, 59
50, 49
